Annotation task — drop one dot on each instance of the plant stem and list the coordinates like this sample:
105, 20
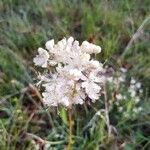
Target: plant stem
135, 36
107, 113
70, 141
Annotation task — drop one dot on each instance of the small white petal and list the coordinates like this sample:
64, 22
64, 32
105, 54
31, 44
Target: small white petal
85, 47
138, 85
70, 40
121, 79
85, 57
96, 49
119, 96
50, 45
133, 81
76, 74
95, 63
52, 63
124, 70
65, 101
42, 58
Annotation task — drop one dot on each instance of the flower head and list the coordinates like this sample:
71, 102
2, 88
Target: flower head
75, 77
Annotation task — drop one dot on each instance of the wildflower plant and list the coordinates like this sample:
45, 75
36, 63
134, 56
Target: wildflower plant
70, 74
127, 94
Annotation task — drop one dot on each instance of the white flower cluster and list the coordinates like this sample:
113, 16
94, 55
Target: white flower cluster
75, 77
133, 91
127, 93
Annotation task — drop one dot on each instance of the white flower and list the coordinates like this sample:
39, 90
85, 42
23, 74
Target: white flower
120, 109
50, 45
91, 89
137, 99
70, 41
126, 115
90, 48
52, 63
48, 99
132, 92
137, 110
110, 79
96, 49
123, 70
75, 46
42, 58
97, 79
141, 91
132, 87
140, 109
121, 78
119, 96
138, 85
85, 57
95, 64
133, 81
125, 97
85, 47
75, 75
65, 101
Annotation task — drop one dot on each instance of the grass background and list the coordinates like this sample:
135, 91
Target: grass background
27, 25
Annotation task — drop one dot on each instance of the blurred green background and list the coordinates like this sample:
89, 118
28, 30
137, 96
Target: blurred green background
26, 25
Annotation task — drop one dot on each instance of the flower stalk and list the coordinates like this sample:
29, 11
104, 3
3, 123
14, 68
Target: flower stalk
107, 113
70, 141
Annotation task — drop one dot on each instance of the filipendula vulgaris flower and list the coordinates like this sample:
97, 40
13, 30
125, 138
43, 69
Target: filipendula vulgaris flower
72, 75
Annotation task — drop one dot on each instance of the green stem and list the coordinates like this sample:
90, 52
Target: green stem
70, 141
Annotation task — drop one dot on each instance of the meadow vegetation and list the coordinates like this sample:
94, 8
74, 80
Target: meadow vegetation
121, 28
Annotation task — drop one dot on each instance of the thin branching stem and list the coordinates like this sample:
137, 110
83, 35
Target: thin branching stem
107, 113
35, 137
135, 36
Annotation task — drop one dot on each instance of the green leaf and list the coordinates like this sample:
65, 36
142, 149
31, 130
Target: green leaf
63, 115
